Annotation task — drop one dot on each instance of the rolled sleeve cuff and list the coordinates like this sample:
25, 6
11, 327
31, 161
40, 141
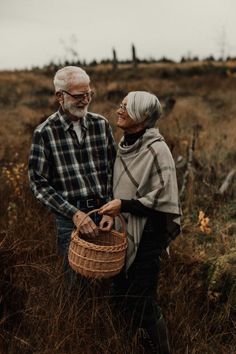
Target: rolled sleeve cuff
68, 210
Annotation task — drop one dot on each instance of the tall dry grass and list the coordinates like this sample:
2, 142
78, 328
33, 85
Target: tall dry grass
38, 313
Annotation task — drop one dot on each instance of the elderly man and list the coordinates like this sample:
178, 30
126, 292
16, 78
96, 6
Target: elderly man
71, 159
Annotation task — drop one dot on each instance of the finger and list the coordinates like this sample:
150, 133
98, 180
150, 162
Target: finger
105, 208
106, 228
83, 230
103, 227
101, 211
102, 224
87, 227
92, 228
88, 223
107, 211
110, 223
106, 225
95, 231
87, 230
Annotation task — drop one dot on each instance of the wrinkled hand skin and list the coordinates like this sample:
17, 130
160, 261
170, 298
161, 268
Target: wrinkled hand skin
87, 227
112, 208
106, 223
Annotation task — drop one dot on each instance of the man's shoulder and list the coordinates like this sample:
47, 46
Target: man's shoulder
48, 123
95, 117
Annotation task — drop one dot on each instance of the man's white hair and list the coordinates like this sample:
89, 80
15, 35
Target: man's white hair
68, 75
143, 106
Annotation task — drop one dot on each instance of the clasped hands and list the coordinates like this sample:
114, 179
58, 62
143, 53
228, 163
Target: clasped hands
108, 212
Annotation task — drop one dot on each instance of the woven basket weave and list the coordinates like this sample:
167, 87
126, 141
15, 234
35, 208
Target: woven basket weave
97, 257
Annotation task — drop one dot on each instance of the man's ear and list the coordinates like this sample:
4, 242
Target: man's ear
59, 96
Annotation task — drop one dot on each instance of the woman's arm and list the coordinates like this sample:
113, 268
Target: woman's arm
116, 206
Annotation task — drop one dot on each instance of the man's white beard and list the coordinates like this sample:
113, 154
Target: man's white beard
77, 112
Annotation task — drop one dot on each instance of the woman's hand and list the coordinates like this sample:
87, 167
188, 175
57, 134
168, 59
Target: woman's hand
112, 208
106, 223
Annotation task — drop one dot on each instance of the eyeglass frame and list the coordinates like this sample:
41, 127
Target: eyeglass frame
123, 107
89, 95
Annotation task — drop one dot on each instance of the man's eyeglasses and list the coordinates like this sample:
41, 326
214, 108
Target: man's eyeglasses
80, 96
123, 107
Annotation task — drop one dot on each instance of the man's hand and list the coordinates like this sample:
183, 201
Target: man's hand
112, 208
106, 223
87, 227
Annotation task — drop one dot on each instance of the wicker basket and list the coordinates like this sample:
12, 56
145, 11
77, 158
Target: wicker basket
97, 257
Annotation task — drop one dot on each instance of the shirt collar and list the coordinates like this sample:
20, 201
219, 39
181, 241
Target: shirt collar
67, 123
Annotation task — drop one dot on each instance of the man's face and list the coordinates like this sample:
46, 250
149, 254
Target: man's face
75, 101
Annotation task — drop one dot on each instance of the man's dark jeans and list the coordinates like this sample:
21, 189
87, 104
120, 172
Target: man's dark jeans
65, 227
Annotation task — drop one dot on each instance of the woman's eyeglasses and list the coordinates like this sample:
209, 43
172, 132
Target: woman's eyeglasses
123, 107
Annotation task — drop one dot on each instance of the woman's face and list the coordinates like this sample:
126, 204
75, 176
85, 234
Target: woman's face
125, 122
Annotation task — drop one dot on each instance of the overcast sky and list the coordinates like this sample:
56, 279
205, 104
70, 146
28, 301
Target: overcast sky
34, 32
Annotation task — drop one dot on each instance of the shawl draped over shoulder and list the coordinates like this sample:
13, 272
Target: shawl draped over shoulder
146, 171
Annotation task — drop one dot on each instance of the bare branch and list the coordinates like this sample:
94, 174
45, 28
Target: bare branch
190, 160
227, 181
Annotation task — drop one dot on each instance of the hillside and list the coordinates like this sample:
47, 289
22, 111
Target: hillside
199, 101
202, 98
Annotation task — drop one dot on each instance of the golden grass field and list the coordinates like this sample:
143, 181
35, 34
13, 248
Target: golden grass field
38, 314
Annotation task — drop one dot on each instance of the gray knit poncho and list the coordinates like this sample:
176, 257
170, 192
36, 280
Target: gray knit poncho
146, 171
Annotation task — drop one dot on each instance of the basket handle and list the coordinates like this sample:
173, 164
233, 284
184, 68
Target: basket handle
76, 233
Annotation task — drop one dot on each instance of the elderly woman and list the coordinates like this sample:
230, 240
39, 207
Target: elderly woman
146, 193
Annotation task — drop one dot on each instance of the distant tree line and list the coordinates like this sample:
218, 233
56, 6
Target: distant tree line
134, 61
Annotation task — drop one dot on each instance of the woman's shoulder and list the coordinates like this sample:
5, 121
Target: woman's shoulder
156, 140
160, 149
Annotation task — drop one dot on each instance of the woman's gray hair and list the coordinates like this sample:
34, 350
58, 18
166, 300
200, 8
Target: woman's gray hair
143, 106
66, 76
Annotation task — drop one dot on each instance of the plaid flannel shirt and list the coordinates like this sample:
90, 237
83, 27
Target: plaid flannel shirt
62, 169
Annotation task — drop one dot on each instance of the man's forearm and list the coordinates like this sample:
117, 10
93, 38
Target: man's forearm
52, 200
